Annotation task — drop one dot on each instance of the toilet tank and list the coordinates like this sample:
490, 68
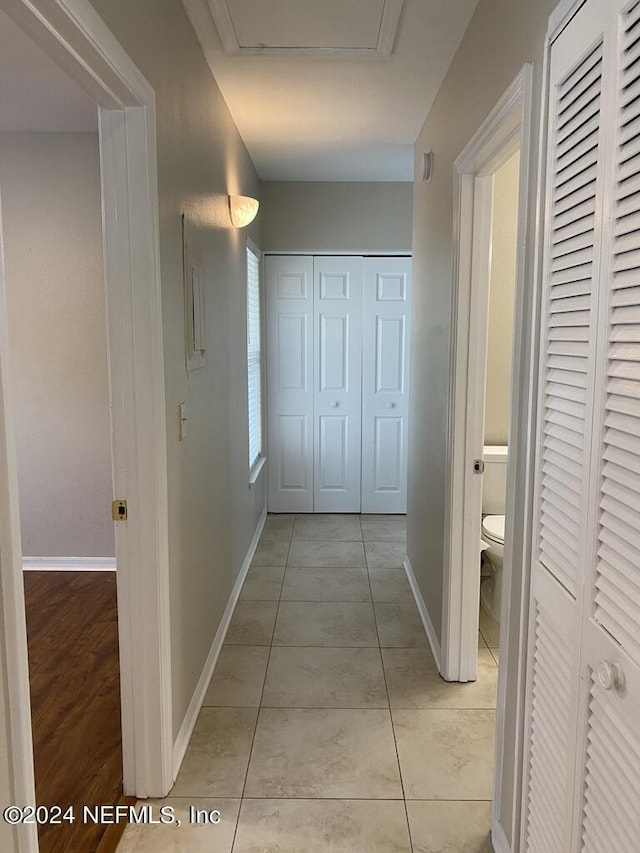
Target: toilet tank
494, 480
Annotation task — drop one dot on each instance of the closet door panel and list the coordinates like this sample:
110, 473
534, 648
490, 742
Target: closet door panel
609, 758
563, 504
290, 360
610, 753
385, 319
338, 384
553, 653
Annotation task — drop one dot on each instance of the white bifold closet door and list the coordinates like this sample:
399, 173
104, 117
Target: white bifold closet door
290, 382
337, 350
385, 398
338, 384
582, 790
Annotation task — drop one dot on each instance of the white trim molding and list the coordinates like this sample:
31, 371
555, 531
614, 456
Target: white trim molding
560, 17
13, 637
72, 34
429, 630
69, 564
499, 840
508, 127
186, 729
496, 140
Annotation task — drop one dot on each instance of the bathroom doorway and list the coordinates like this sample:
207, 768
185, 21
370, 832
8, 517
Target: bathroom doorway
502, 140
497, 399
504, 134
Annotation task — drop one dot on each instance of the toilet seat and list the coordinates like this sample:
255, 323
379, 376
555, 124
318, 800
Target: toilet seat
493, 528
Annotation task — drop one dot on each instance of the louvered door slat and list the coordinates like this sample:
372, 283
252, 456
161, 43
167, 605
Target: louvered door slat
573, 191
617, 597
552, 655
563, 494
562, 505
610, 814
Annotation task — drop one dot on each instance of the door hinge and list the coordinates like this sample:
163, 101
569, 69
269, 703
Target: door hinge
478, 466
119, 511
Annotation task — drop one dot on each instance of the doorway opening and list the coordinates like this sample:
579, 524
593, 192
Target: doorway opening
54, 278
75, 38
474, 466
497, 398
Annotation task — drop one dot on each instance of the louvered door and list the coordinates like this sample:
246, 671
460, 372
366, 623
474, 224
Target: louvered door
574, 191
583, 756
608, 798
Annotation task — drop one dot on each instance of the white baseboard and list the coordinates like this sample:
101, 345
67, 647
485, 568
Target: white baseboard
69, 564
499, 839
424, 613
186, 729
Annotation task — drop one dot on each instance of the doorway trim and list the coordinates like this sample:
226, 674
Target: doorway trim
76, 38
506, 129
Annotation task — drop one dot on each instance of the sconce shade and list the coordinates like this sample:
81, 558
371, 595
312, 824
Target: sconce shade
243, 210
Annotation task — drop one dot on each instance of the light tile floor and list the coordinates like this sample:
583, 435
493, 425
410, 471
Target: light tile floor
326, 727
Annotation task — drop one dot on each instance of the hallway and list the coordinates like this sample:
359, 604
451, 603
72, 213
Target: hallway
326, 726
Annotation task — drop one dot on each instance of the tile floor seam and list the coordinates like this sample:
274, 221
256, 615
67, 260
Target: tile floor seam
386, 687
264, 681
342, 800
409, 842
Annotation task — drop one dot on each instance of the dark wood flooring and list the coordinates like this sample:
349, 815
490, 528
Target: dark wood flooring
72, 629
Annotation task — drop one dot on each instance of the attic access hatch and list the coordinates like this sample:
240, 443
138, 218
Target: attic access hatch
361, 29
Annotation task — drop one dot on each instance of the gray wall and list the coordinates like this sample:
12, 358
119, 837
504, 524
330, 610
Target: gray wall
8, 835
504, 235
50, 185
336, 217
502, 36
201, 158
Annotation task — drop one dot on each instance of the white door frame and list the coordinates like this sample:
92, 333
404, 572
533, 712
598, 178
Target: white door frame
76, 38
507, 128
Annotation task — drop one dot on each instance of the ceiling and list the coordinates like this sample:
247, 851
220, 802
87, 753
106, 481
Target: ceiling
310, 90
35, 94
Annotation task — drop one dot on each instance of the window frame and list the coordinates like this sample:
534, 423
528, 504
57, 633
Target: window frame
258, 461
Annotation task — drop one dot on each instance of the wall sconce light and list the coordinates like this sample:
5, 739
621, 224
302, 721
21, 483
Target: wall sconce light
243, 210
427, 166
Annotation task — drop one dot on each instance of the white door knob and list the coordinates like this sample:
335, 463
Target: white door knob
334, 404
611, 675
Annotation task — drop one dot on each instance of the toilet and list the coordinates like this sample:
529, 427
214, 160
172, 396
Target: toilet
494, 493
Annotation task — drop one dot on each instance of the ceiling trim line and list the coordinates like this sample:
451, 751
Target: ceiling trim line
220, 17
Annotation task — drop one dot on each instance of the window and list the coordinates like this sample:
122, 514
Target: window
254, 361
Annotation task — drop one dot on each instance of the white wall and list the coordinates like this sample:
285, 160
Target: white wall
502, 36
504, 235
336, 217
201, 158
50, 184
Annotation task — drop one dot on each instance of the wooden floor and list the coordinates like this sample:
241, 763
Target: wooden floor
72, 633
